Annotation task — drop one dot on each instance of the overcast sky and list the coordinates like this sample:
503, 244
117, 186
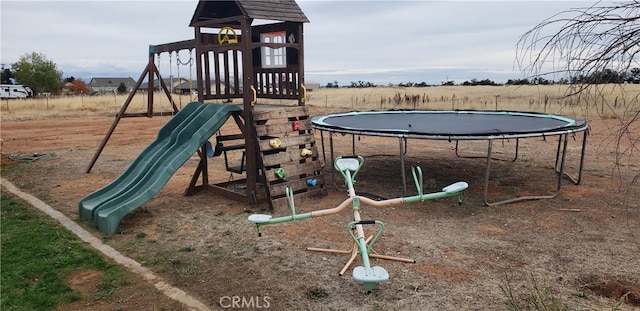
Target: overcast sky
374, 41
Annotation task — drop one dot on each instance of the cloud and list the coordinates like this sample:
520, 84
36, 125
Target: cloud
344, 39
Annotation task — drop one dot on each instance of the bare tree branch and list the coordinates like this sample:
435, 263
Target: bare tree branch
582, 44
585, 41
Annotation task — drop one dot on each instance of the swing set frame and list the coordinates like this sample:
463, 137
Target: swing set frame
150, 72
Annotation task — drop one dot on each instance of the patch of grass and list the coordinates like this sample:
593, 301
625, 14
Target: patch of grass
316, 292
112, 280
541, 298
217, 253
148, 260
37, 255
184, 268
186, 249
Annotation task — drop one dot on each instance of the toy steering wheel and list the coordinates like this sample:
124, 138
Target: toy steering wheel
224, 35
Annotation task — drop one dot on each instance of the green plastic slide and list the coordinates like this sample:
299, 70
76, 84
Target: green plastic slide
177, 141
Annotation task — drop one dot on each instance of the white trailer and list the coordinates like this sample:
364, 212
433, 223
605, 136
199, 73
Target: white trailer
312, 85
9, 91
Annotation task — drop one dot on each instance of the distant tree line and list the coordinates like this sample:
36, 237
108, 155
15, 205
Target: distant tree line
600, 77
41, 74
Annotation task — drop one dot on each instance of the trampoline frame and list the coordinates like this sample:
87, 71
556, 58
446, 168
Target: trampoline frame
560, 157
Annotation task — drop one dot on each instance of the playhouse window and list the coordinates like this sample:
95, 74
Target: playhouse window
274, 58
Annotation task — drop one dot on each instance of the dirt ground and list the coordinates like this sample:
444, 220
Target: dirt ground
581, 248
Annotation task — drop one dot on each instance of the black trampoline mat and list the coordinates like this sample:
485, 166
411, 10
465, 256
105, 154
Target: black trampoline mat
448, 123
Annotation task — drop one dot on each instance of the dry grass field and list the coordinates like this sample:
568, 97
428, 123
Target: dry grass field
578, 251
608, 100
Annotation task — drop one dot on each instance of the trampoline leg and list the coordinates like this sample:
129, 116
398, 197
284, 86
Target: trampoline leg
402, 173
333, 178
560, 173
560, 160
353, 144
584, 147
487, 172
324, 154
575, 180
558, 154
331, 147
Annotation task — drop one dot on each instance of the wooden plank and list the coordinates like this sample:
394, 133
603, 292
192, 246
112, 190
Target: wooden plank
174, 46
232, 147
288, 141
229, 137
299, 185
294, 171
274, 121
284, 118
288, 112
227, 193
274, 129
291, 155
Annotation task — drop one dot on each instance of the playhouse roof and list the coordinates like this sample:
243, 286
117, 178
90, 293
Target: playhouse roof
276, 10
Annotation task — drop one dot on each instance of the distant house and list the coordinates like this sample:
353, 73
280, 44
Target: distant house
110, 85
178, 86
174, 84
186, 86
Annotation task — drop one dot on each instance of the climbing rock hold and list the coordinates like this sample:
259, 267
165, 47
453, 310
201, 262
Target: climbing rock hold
275, 143
280, 173
305, 153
